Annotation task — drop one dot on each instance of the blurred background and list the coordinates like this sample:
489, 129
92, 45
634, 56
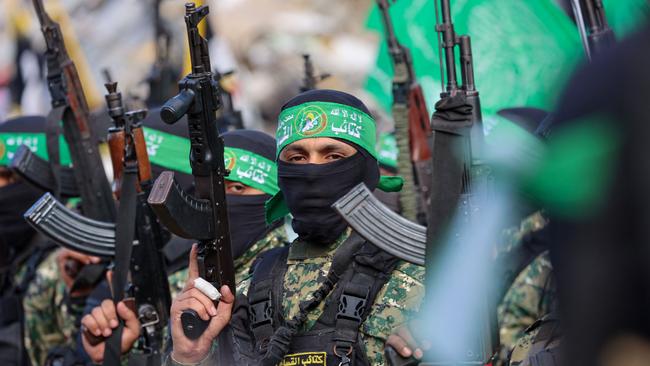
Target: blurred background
524, 50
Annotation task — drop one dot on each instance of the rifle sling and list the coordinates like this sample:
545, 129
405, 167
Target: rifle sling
124, 236
52, 133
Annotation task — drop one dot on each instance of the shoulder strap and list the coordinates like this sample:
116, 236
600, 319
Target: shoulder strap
265, 293
356, 292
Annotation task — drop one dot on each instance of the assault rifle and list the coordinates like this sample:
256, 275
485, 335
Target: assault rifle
87, 178
461, 179
69, 107
412, 126
143, 257
595, 33
163, 75
310, 80
204, 217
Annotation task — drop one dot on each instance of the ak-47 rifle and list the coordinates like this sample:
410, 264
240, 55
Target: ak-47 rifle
229, 117
595, 33
163, 76
69, 107
412, 126
204, 217
461, 179
144, 257
310, 80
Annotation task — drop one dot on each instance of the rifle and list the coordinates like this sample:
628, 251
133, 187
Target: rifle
149, 286
204, 217
163, 75
595, 33
310, 80
412, 126
69, 107
461, 180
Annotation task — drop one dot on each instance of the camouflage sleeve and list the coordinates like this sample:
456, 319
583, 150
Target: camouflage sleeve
528, 299
47, 323
397, 302
521, 348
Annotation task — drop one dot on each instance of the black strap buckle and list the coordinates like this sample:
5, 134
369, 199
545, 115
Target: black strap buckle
261, 312
351, 307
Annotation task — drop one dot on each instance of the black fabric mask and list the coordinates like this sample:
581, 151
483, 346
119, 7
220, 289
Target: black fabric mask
310, 190
246, 219
15, 199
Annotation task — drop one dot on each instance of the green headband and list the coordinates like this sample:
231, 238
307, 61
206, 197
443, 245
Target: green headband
36, 141
324, 119
387, 150
171, 151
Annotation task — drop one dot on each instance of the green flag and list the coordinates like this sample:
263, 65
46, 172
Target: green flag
523, 50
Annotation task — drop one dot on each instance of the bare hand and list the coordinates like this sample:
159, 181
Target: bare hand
70, 263
100, 323
192, 351
405, 344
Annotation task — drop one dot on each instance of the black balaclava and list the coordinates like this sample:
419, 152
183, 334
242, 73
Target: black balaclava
15, 199
309, 190
246, 213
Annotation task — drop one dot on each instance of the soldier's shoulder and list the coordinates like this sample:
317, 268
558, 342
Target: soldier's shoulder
397, 302
540, 267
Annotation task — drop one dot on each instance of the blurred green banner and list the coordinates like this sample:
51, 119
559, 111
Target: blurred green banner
523, 50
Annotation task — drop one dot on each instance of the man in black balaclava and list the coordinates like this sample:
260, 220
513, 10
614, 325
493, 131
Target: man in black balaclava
331, 297
249, 155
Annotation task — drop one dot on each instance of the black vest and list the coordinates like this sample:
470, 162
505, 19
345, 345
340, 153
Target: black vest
334, 339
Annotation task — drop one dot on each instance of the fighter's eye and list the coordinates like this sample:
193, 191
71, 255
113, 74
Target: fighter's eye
235, 188
296, 158
334, 156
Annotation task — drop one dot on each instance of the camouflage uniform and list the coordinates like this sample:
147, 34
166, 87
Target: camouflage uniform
513, 236
530, 297
50, 319
275, 238
542, 348
396, 303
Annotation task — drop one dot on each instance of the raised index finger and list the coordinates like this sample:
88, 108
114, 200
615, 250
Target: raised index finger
192, 268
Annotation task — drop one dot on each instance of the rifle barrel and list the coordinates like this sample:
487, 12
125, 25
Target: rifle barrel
448, 42
466, 63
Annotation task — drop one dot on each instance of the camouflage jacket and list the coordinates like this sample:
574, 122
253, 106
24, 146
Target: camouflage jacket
530, 297
396, 303
540, 343
51, 320
273, 239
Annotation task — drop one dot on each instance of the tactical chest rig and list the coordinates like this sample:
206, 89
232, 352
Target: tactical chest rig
359, 270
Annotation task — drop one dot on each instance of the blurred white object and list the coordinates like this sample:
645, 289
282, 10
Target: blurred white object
207, 289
